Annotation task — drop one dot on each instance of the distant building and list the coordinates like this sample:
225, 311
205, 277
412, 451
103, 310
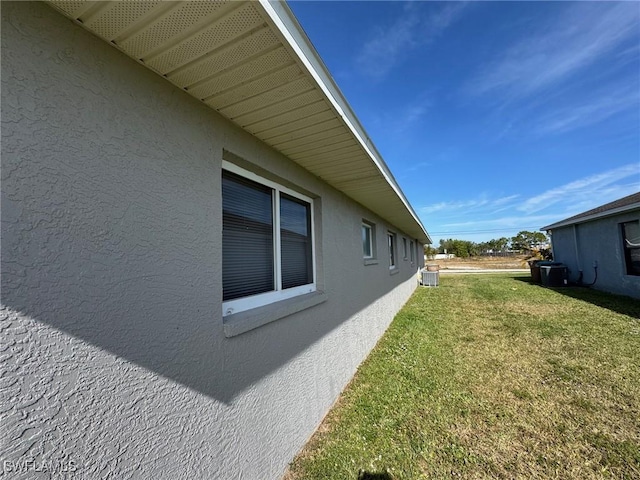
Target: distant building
602, 246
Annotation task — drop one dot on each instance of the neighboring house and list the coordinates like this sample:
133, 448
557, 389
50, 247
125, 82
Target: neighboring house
200, 244
601, 247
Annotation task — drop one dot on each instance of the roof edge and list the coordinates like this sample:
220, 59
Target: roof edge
594, 216
284, 19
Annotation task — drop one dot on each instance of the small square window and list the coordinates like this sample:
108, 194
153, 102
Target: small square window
631, 239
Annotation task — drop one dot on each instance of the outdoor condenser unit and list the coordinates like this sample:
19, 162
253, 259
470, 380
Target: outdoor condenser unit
554, 275
430, 279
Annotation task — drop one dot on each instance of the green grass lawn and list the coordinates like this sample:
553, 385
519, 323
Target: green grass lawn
491, 376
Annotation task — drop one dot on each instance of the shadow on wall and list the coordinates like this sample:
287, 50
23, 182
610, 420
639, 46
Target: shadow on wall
617, 303
161, 315
111, 223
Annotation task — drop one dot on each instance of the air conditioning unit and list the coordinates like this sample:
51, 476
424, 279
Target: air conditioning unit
554, 275
430, 279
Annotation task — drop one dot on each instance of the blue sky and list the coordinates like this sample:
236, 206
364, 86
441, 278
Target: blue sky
494, 117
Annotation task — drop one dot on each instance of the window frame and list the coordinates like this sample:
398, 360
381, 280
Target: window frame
393, 247
412, 252
404, 249
628, 265
371, 227
242, 304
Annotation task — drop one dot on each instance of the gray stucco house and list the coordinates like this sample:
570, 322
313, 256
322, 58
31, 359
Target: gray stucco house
200, 244
601, 247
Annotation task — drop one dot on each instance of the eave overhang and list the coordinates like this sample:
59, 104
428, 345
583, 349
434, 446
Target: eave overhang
253, 64
590, 218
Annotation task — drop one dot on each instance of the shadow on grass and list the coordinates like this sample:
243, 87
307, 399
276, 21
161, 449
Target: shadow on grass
617, 303
362, 475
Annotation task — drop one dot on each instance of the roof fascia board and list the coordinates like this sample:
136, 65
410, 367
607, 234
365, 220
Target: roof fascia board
286, 23
595, 216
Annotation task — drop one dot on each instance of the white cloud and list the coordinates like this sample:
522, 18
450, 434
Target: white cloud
418, 166
585, 202
449, 206
389, 44
504, 200
481, 203
508, 222
583, 34
596, 108
586, 191
477, 219
397, 120
407, 116
380, 53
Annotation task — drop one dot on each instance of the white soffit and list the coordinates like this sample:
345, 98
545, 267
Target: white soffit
252, 63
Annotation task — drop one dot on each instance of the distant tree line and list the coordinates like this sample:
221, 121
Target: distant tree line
524, 241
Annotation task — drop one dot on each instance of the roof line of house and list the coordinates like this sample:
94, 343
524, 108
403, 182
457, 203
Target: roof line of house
368, 181
284, 19
587, 218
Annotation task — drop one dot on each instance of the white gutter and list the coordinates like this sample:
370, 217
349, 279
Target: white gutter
286, 23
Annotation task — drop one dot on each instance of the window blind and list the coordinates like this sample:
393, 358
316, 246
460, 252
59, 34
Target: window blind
247, 237
295, 242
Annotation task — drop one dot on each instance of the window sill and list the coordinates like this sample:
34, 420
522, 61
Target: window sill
238, 323
370, 261
394, 271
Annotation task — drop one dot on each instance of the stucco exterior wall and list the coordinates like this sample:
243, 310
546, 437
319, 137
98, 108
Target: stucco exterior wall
113, 358
597, 241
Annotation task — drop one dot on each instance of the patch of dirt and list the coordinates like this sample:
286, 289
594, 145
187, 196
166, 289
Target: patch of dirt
487, 262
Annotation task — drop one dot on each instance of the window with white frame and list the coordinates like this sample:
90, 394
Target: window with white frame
412, 252
368, 243
267, 241
391, 238
631, 239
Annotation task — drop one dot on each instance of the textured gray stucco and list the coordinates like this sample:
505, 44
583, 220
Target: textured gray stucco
113, 354
597, 241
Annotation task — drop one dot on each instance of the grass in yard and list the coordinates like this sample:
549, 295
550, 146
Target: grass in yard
491, 376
